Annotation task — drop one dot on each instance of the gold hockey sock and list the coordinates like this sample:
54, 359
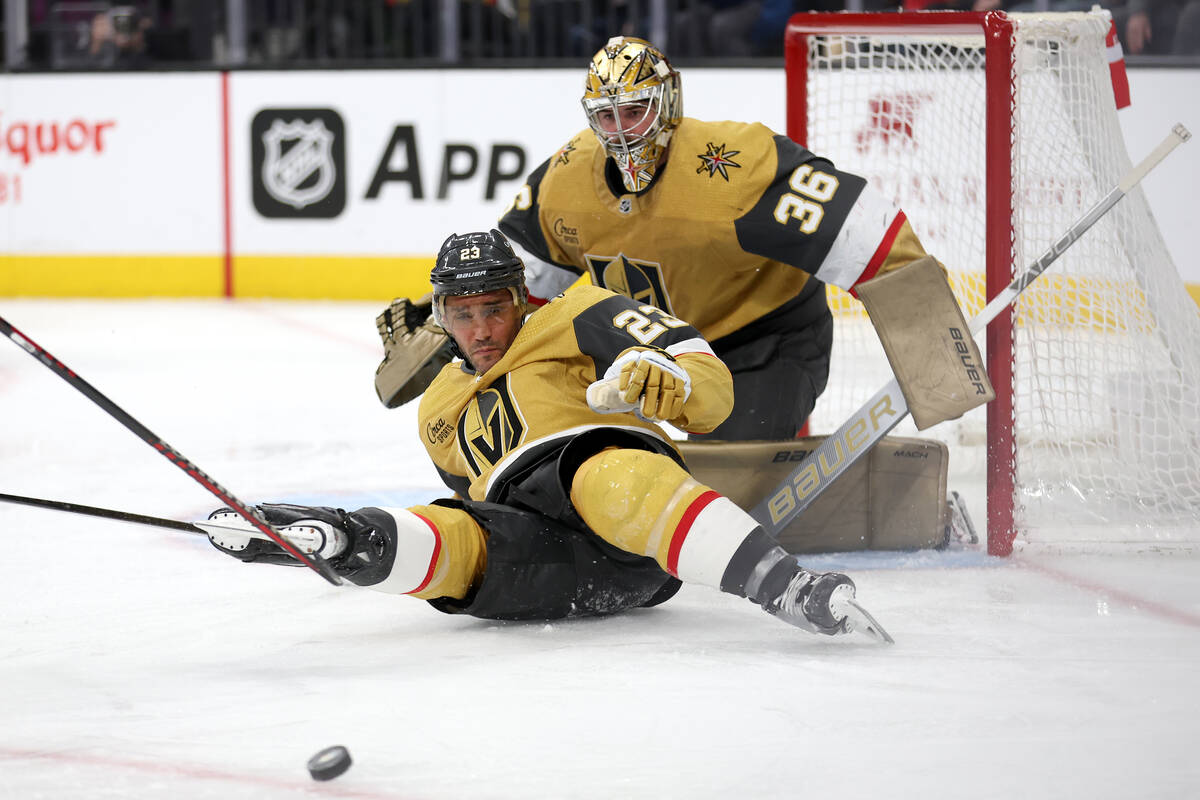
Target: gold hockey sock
647, 504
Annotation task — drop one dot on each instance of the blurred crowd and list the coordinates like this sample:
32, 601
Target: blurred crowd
75, 34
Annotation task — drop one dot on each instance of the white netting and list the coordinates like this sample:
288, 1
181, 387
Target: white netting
1107, 395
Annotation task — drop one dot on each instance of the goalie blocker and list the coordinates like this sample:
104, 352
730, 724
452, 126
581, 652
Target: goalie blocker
937, 363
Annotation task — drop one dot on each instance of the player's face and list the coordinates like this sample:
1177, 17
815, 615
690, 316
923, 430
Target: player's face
484, 325
630, 119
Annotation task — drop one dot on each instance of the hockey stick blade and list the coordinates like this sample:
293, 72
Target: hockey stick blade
315, 563
879, 415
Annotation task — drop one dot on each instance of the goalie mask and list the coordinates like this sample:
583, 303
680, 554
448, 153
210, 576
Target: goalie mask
476, 263
633, 74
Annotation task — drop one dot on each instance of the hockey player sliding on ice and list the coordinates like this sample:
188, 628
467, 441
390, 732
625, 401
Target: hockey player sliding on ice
563, 510
727, 225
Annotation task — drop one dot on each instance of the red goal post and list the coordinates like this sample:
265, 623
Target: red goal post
994, 131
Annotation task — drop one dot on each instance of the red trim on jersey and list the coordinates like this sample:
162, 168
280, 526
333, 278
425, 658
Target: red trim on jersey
437, 550
885, 247
535, 301
685, 527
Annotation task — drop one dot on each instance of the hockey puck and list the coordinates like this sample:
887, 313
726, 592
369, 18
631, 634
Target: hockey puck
329, 763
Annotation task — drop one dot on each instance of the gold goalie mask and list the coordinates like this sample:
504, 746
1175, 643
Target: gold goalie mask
633, 105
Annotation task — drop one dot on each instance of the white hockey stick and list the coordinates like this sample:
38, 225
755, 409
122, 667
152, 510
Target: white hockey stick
887, 407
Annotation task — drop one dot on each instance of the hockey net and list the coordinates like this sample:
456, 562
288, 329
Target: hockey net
1094, 438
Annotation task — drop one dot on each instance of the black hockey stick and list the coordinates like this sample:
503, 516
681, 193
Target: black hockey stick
314, 562
302, 536
105, 513
887, 407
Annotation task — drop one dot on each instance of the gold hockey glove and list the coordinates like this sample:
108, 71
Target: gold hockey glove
652, 381
414, 350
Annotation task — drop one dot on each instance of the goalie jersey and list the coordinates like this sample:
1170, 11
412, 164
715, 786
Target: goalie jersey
480, 429
734, 226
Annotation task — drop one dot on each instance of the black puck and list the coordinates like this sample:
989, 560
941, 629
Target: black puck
329, 763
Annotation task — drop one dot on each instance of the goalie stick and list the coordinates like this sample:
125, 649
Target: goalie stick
871, 422
879, 415
313, 562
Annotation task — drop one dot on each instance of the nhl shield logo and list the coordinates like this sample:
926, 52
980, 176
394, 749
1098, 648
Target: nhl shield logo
299, 163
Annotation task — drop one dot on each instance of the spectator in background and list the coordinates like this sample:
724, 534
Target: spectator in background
1159, 27
738, 28
119, 38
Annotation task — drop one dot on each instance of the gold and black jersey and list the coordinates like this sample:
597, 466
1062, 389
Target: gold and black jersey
731, 229
474, 426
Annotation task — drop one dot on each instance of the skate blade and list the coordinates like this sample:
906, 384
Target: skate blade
859, 619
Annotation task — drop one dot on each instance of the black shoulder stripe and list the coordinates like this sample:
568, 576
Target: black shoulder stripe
798, 226
521, 224
606, 329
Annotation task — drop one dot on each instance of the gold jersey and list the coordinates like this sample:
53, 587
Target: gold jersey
475, 427
732, 228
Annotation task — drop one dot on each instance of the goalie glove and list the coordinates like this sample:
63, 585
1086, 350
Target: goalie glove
414, 350
649, 382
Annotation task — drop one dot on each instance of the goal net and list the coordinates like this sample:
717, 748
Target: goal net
995, 133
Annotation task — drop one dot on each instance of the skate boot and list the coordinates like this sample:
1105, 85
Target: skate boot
809, 600
357, 544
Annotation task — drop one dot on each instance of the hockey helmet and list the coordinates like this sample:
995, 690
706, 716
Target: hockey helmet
476, 263
631, 71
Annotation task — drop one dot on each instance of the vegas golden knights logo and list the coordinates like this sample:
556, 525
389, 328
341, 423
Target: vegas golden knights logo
490, 426
640, 280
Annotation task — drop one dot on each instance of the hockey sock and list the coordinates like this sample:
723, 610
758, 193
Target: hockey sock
646, 504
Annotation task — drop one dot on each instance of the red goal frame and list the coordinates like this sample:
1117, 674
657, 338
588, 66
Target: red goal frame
998, 31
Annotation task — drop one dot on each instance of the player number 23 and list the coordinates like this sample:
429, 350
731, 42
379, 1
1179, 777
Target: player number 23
641, 327
812, 188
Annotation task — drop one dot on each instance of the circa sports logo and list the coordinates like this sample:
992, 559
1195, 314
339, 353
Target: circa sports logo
298, 162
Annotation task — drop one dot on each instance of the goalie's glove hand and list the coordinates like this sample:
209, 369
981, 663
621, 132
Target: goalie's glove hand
652, 382
403, 315
414, 350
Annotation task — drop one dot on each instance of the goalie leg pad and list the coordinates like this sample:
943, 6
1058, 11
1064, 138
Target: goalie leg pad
927, 342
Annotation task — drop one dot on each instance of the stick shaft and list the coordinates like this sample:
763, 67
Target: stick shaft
105, 513
316, 563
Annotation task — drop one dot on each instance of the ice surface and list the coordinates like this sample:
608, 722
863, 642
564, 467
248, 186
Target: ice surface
138, 662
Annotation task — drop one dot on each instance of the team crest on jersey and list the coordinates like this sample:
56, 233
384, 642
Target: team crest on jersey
640, 280
490, 427
716, 160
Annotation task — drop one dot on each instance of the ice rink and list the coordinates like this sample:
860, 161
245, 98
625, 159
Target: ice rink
138, 662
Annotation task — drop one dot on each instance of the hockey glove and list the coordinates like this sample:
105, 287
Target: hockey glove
414, 350
652, 382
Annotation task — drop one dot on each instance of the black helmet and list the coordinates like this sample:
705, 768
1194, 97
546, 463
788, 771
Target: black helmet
476, 263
